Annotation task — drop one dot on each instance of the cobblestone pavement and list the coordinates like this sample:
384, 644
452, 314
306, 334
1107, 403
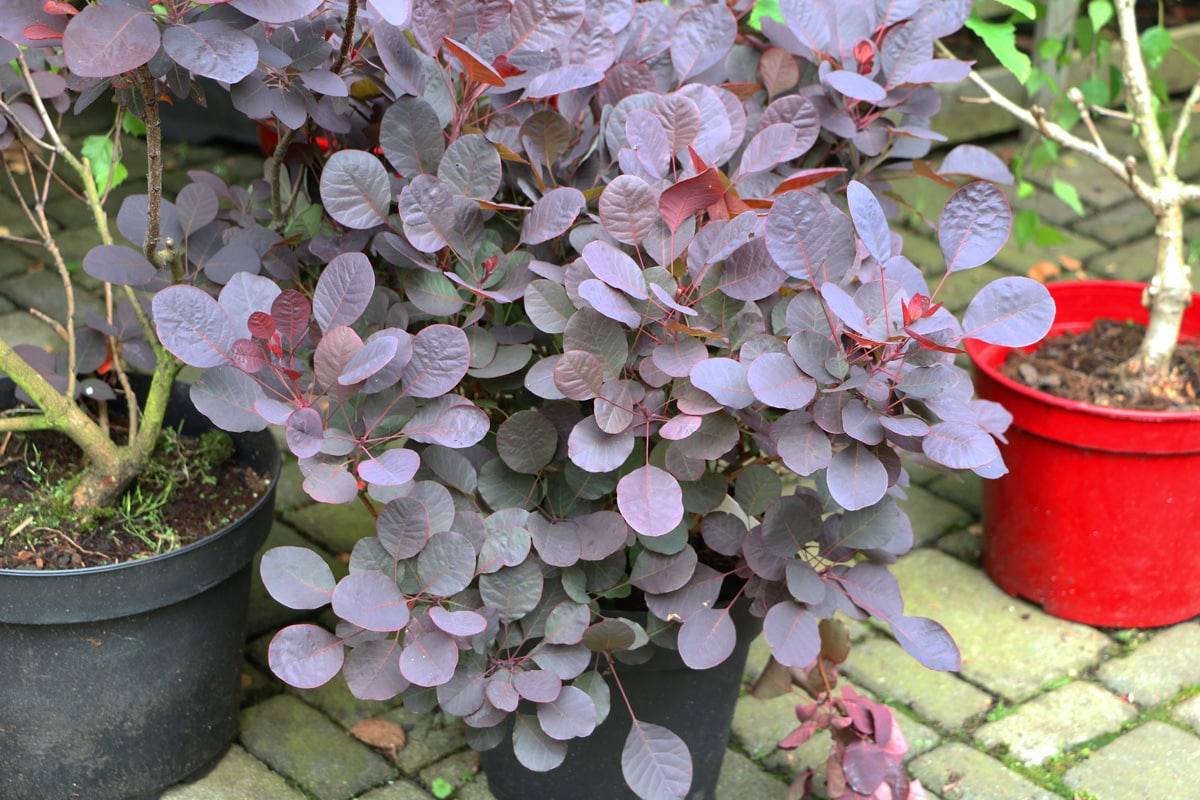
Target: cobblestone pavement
1042, 708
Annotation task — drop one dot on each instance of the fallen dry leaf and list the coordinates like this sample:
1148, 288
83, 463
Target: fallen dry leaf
379, 733
1043, 270
1073, 264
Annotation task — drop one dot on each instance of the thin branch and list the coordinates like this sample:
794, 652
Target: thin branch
53, 323
1057, 133
1137, 90
1181, 126
25, 422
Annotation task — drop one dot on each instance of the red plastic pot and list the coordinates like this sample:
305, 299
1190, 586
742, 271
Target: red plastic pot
1098, 518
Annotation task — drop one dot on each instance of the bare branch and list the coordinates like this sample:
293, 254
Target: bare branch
1181, 126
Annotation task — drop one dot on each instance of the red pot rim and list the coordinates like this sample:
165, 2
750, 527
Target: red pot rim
1097, 296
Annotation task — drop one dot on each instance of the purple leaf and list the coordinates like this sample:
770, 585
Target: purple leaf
976, 161
297, 577
724, 379
628, 209
390, 468
975, 224
441, 357
552, 215
677, 355
770, 146
615, 268
275, 11
105, 40
792, 633
609, 302
856, 477
804, 583
750, 273
368, 360
446, 564
649, 141
557, 543
500, 691
193, 326
777, 381
403, 527
928, 642
429, 659
1012, 311
291, 311
305, 656
563, 79
871, 527
579, 375
939, 70
869, 220
540, 25
229, 398
119, 265
873, 589
355, 189
305, 431
650, 500
471, 166
799, 112
371, 600
855, 86
788, 525
526, 442
612, 635
343, 290
196, 205
330, 483
656, 763
571, 715
865, 766
959, 445
533, 748
213, 49
701, 38
514, 591
723, 532
685, 198
706, 638
411, 137
458, 623
601, 534
567, 623
538, 686
657, 573
372, 670
799, 235
803, 447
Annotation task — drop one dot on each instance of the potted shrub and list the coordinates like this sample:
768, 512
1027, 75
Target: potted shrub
566, 293
1086, 473
131, 522
585, 284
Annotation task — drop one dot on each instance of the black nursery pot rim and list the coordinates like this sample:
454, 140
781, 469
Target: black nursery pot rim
112, 591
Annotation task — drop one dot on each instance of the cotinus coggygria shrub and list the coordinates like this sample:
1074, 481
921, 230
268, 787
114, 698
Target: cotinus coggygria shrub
589, 303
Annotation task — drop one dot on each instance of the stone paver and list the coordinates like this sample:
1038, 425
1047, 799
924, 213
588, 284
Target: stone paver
741, 779
957, 772
932, 515
1158, 668
1155, 761
307, 747
1008, 646
1058, 720
337, 527
427, 740
238, 774
398, 790
1188, 712
882, 667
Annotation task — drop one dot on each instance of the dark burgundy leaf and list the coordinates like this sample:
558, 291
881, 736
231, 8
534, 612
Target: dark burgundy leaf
685, 198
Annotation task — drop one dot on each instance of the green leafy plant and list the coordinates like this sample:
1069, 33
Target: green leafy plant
1151, 175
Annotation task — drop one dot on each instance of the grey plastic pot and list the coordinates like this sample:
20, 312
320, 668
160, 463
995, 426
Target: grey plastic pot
119, 681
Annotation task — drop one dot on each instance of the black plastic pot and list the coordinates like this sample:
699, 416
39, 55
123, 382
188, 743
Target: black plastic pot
697, 705
118, 681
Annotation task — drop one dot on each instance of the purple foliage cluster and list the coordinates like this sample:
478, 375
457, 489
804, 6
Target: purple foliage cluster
584, 289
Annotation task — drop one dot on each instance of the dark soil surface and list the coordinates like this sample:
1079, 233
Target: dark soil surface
1083, 367
197, 508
